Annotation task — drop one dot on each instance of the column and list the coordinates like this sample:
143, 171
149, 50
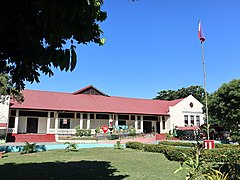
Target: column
154, 124
56, 123
16, 122
88, 121
81, 121
48, 122
141, 119
136, 123
116, 120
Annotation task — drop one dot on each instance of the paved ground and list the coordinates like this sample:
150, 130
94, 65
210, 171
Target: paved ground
138, 139
123, 141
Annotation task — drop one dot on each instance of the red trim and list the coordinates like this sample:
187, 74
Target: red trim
187, 128
3, 124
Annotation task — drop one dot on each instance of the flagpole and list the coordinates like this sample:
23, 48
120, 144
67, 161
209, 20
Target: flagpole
205, 92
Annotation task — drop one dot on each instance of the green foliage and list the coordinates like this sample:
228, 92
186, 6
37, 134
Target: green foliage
82, 132
8, 88
97, 130
224, 105
168, 136
118, 145
113, 136
196, 91
37, 36
71, 146
132, 132
29, 147
134, 145
177, 143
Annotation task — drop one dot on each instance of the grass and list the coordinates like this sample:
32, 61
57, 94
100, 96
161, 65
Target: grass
95, 163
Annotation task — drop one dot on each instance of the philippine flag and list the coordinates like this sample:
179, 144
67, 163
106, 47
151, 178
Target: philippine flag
200, 32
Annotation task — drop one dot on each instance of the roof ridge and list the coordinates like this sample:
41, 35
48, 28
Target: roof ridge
45, 91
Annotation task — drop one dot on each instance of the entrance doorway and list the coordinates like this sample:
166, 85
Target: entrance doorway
158, 127
32, 125
147, 127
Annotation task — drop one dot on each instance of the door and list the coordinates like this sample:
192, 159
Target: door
147, 127
32, 125
158, 127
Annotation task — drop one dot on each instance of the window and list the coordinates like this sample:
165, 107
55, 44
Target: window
66, 115
192, 120
138, 124
186, 120
64, 123
102, 116
51, 114
33, 113
13, 112
11, 122
121, 123
164, 124
198, 120
152, 118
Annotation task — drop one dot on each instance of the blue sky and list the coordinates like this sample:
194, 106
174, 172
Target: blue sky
153, 46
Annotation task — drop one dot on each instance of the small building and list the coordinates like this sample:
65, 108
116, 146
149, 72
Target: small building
43, 114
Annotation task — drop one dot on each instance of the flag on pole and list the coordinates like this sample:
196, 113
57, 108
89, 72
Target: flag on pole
200, 32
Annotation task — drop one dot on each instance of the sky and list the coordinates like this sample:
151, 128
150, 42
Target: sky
152, 45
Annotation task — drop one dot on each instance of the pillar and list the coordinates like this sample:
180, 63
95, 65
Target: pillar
48, 122
116, 120
56, 123
16, 121
136, 123
88, 121
141, 119
81, 121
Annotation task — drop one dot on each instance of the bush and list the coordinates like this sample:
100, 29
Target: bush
71, 147
82, 132
171, 143
118, 145
113, 137
132, 132
29, 148
134, 145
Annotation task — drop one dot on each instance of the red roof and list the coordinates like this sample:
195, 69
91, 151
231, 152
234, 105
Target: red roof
44, 100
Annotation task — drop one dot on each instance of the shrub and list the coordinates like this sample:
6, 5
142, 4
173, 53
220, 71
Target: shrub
113, 137
82, 132
177, 143
118, 145
132, 132
29, 148
71, 147
134, 145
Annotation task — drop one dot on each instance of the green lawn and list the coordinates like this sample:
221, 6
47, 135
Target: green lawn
96, 163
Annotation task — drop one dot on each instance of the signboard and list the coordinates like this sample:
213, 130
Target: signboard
105, 128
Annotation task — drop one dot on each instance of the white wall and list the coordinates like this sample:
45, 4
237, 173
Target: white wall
99, 122
22, 125
74, 123
178, 111
42, 125
4, 110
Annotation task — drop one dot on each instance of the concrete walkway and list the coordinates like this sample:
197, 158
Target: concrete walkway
123, 141
138, 139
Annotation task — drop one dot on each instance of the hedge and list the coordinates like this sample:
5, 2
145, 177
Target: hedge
229, 154
134, 145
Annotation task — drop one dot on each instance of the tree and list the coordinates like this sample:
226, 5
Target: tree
7, 89
35, 35
224, 105
196, 91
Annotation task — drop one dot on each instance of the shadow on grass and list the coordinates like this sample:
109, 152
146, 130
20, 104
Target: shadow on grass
60, 170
